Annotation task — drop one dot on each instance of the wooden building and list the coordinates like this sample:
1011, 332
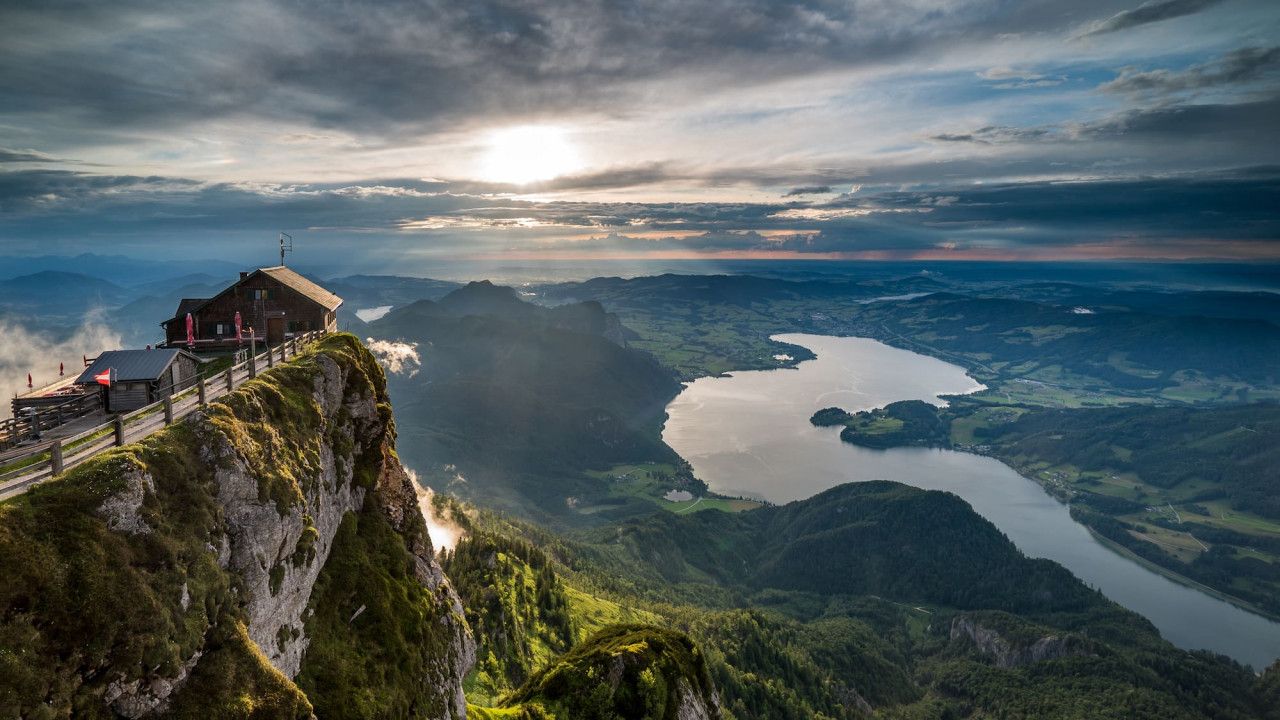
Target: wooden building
140, 377
274, 303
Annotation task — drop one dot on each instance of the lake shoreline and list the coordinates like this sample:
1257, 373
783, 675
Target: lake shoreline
1110, 544
1128, 554
749, 434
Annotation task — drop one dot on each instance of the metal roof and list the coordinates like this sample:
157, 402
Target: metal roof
132, 365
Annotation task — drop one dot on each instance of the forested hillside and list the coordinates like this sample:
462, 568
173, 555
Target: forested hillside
1195, 490
936, 615
521, 400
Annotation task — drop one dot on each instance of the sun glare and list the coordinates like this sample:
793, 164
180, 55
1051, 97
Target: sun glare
529, 153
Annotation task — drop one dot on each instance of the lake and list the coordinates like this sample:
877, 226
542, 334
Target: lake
749, 434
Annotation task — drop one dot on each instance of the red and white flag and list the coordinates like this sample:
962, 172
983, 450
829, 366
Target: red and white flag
106, 377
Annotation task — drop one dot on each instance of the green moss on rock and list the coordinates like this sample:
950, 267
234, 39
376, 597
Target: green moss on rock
83, 605
234, 680
375, 631
624, 672
305, 550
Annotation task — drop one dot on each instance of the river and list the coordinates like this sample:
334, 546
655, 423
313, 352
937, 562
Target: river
749, 434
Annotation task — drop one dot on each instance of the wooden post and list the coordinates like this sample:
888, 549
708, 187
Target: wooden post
119, 423
55, 457
271, 358
231, 384
282, 349
202, 392
168, 409
253, 366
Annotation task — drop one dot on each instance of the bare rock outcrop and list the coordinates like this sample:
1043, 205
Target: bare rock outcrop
1010, 654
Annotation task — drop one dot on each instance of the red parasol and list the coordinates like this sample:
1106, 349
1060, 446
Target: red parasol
239, 334
191, 331
104, 377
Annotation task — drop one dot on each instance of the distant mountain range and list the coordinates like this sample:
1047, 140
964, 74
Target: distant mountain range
119, 269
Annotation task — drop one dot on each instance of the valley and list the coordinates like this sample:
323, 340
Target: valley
701, 360
624, 479
753, 427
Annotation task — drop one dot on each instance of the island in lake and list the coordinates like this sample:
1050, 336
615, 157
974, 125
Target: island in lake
898, 424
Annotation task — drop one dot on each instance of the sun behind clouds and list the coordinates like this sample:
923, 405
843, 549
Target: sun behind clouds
529, 153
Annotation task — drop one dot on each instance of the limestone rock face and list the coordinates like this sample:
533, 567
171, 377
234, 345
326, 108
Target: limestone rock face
398, 498
1008, 654
263, 544
695, 706
277, 549
123, 511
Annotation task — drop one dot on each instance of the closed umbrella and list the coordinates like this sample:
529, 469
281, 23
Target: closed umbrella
239, 334
191, 331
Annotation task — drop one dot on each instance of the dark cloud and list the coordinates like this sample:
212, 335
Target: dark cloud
808, 190
148, 80
1149, 12
1238, 66
993, 135
1137, 214
8, 156
1234, 205
1209, 207
615, 178
1227, 131
1246, 125
409, 66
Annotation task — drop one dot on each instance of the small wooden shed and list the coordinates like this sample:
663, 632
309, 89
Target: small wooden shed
141, 377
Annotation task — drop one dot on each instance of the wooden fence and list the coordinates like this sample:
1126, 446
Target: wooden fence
41, 462
26, 426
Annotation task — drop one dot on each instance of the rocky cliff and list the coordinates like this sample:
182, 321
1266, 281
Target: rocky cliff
1012, 643
265, 558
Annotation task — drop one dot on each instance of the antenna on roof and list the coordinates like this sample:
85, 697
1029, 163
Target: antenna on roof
286, 245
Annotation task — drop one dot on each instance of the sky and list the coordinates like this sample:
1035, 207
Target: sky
400, 130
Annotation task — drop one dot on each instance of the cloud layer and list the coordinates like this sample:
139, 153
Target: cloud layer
808, 126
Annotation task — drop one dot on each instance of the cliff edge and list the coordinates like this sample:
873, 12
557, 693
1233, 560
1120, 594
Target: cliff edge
266, 558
